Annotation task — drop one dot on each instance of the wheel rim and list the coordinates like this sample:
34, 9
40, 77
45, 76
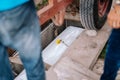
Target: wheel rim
102, 7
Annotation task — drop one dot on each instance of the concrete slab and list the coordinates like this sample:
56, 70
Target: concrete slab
86, 49
67, 69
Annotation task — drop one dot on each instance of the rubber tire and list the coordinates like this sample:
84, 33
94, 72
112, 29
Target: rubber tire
89, 14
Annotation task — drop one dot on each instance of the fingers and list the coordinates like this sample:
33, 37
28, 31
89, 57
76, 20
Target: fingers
62, 15
117, 24
110, 18
114, 24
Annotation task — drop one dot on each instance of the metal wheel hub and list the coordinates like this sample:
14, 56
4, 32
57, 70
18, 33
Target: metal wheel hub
102, 7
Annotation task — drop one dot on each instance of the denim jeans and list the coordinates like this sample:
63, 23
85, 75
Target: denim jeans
20, 30
112, 60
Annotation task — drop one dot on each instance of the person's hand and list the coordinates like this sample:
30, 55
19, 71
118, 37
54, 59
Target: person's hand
114, 17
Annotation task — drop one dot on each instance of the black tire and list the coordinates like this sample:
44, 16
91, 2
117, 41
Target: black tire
89, 14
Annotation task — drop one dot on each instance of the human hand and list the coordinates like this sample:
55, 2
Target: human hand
58, 19
114, 17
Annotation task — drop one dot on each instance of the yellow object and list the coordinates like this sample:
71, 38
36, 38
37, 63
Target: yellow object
58, 41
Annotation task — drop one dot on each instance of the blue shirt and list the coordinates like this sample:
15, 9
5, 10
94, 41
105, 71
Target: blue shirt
9, 4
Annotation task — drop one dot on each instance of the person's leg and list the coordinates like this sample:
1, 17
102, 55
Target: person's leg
112, 59
23, 28
110, 70
5, 68
27, 42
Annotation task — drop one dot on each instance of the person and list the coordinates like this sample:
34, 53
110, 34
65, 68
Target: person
20, 30
112, 59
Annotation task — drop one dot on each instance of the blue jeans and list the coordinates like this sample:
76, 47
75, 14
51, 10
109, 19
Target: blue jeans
112, 60
20, 30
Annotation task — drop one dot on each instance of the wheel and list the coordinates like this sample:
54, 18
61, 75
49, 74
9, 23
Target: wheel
93, 13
